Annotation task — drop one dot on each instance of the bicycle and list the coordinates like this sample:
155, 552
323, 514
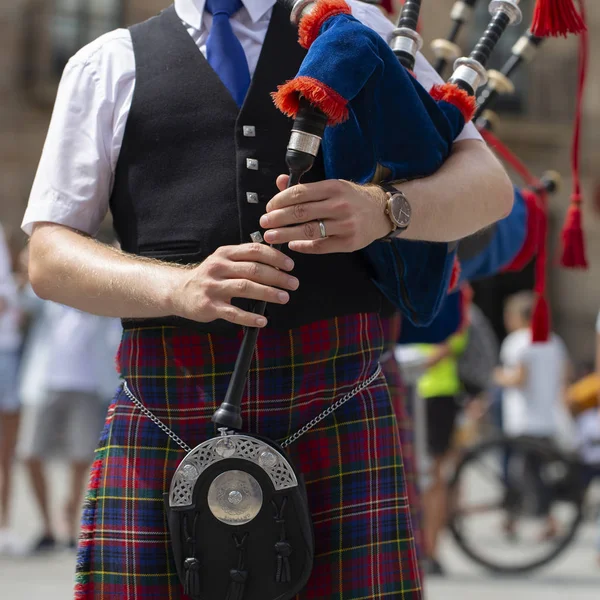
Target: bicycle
532, 479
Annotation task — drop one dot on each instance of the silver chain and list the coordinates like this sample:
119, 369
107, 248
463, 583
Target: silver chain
155, 419
294, 437
359, 388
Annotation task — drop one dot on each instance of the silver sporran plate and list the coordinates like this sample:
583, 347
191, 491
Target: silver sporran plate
235, 497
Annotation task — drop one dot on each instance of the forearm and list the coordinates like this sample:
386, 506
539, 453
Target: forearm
73, 269
468, 193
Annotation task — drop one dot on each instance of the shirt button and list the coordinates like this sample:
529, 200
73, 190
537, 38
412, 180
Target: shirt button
252, 164
249, 131
252, 197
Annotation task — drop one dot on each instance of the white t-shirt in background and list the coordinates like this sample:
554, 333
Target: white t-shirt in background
79, 357
10, 336
537, 407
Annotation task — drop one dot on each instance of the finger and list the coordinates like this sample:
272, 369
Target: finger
260, 273
243, 288
321, 246
260, 253
306, 231
305, 192
303, 213
236, 315
282, 182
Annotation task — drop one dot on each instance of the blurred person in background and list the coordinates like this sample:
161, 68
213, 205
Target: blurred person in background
10, 343
70, 359
440, 388
533, 377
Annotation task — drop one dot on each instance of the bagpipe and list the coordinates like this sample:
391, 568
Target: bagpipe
382, 125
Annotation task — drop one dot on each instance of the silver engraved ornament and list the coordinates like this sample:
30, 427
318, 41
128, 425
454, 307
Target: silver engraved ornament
235, 497
225, 447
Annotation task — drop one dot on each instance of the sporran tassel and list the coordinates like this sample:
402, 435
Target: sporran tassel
239, 575
191, 585
283, 549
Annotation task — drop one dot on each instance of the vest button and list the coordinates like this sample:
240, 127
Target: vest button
252, 197
249, 130
252, 164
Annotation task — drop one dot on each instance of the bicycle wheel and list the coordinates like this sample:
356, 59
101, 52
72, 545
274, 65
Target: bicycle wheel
515, 504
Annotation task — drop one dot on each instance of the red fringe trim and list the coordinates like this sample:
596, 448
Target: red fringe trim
322, 96
310, 25
532, 239
83, 590
450, 92
556, 17
573, 245
455, 276
94, 482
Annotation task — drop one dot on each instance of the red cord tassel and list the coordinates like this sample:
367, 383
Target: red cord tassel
573, 245
573, 254
556, 17
540, 321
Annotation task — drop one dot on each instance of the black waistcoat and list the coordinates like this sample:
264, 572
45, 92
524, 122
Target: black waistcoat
195, 172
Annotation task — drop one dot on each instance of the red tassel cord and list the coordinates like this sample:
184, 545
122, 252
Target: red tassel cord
573, 246
533, 239
511, 159
540, 322
536, 241
556, 18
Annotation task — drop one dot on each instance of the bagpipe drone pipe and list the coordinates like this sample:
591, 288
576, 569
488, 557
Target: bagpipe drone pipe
384, 126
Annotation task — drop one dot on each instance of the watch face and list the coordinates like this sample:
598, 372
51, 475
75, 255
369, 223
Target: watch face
400, 210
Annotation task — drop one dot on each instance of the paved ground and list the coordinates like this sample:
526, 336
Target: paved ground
573, 577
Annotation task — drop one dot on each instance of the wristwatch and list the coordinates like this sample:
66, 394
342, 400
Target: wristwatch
397, 210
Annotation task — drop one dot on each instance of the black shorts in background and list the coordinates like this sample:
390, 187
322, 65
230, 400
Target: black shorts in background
441, 418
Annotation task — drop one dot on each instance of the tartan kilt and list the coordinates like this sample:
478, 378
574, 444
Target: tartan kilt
351, 460
402, 409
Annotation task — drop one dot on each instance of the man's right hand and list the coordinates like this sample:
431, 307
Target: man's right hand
254, 271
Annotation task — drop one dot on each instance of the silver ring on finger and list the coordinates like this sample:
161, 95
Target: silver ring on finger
322, 229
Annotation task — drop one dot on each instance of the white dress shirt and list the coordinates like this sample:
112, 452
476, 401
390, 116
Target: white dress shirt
75, 176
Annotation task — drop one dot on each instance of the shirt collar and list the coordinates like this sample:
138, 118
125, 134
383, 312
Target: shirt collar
191, 11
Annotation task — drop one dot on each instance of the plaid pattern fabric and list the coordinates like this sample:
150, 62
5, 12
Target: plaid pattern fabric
351, 460
391, 331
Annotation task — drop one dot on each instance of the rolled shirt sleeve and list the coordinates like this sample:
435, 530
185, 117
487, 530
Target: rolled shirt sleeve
74, 179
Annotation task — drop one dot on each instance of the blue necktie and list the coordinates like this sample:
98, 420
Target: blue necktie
224, 51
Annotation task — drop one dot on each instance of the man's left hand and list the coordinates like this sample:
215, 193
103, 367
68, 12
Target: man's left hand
353, 216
